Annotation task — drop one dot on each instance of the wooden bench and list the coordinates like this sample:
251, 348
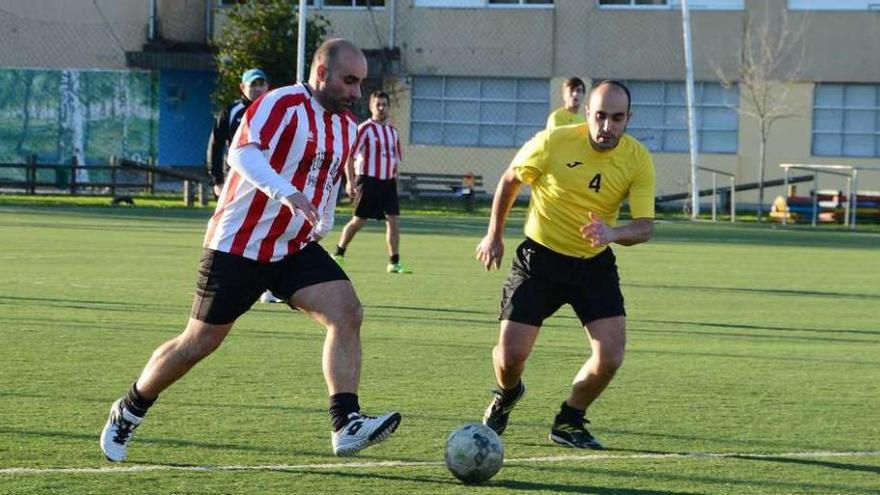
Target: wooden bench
423, 184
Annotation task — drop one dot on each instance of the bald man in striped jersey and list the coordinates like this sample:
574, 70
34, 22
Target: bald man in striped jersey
372, 181
286, 162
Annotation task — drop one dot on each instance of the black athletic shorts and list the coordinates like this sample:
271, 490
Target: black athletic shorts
542, 280
228, 285
376, 198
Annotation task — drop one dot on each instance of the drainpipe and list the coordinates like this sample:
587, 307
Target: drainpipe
152, 27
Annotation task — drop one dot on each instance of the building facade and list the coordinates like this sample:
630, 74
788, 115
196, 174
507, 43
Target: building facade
473, 79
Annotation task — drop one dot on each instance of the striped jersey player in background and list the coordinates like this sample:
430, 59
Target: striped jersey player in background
286, 162
371, 175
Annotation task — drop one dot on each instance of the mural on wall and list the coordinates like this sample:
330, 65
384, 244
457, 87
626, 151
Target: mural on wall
62, 115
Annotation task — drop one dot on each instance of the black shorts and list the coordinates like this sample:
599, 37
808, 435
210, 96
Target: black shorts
542, 280
376, 198
228, 285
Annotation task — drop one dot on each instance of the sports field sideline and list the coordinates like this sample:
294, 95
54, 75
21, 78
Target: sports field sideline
752, 365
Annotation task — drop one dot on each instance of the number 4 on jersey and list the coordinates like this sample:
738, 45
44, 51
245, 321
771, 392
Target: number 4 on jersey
596, 182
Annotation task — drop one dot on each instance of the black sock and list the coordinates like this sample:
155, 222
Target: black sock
570, 415
395, 259
340, 251
136, 403
509, 395
341, 405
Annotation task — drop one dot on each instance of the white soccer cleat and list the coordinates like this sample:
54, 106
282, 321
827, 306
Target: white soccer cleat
118, 432
361, 431
268, 297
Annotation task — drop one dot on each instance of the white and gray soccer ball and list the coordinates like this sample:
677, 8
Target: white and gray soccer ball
474, 453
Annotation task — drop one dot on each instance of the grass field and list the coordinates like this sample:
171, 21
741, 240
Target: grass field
753, 365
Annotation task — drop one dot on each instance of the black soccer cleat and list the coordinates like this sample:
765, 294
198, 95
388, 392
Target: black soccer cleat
574, 435
498, 412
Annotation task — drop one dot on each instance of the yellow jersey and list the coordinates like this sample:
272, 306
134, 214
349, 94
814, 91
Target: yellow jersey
569, 179
561, 117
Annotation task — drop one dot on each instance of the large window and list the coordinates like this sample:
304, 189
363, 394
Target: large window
666, 4
482, 3
660, 118
834, 4
351, 4
846, 120
478, 111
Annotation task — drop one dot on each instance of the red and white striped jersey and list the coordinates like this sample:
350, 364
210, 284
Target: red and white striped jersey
377, 150
307, 147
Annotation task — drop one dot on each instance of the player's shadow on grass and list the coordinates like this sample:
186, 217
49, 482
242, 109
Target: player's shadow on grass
813, 462
166, 442
823, 331
743, 335
515, 486
775, 292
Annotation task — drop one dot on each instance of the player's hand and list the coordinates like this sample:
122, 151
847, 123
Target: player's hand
490, 251
597, 232
218, 188
298, 202
350, 189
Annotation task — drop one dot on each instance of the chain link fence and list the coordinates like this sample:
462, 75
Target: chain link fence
468, 86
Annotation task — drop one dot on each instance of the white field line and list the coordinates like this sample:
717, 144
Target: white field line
138, 468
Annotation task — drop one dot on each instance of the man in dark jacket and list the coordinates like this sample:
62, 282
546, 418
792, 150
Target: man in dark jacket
254, 84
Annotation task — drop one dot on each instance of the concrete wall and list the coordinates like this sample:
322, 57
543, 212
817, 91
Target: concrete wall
574, 37
58, 35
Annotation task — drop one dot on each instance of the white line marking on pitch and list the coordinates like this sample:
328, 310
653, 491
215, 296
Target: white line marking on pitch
138, 468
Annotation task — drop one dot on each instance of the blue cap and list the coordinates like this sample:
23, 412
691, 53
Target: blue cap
251, 75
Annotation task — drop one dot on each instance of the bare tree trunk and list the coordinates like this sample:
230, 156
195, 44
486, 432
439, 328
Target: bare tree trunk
26, 113
761, 157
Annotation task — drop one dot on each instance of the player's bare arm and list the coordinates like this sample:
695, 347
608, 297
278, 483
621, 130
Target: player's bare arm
598, 233
350, 176
490, 250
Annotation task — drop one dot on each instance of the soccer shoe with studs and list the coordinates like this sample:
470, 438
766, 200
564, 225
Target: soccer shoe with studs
574, 435
268, 297
362, 431
396, 268
118, 432
498, 413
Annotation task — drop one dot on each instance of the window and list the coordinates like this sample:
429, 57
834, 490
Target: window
834, 4
660, 119
229, 3
476, 4
350, 4
520, 2
362, 4
846, 120
673, 4
478, 111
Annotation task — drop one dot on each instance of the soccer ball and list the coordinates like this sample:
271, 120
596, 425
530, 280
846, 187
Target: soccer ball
474, 453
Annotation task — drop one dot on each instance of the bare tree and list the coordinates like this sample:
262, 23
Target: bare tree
771, 57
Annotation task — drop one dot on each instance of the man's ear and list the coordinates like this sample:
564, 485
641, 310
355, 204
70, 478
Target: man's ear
322, 72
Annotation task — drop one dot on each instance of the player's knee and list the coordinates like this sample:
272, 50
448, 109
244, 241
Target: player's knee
196, 344
610, 362
350, 316
509, 357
